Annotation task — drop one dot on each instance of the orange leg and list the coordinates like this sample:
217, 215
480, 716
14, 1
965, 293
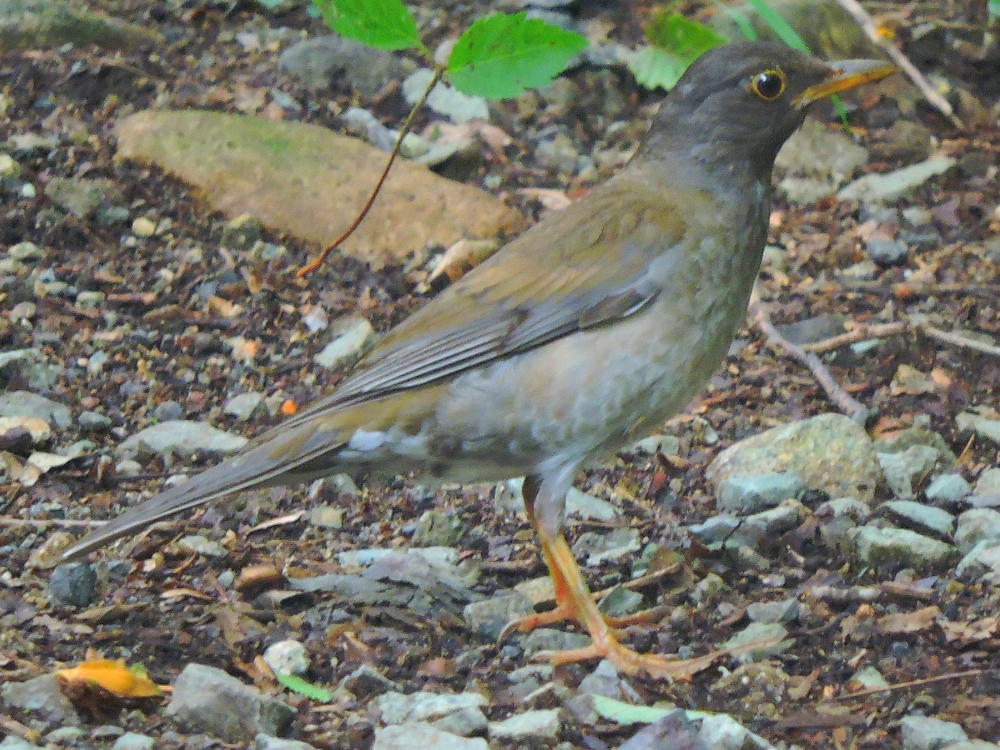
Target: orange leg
575, 602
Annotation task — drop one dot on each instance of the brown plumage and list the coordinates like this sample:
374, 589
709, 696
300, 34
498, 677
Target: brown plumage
581, 335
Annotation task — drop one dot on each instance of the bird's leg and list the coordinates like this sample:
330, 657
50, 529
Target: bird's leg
604, 644
564, 609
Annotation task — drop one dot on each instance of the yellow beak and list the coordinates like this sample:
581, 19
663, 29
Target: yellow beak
843, 75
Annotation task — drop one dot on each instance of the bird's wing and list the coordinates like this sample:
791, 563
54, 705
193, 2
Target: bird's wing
585, 266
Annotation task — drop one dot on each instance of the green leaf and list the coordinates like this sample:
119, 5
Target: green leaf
625, 713
682, 37
742, 22
300, 686
652, 67
385, 24
503, 55
778, 24
994, 7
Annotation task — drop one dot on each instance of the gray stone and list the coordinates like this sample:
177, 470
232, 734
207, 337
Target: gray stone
168, 410
983, 427
869, 678
916, 435
327, 517
588, 507
816, 161
243, 406
25, 252
973, 745
13, 742
599, 547
549, 639
975, 526
82, 197
206, 699
287, 657
42, 695
134, 741
397, 708
464, 722
878, 188
350, 336
770, 524
489, 617
558, 153
889, 549
437, 528
948, 488
742, 494
981, 564
988, 482
366, 682
201, 545
715, 529
73, 584
901, 469
887, 253
926, 733
418, 734
845, 506
444, 99
318, 62
760, 631
92, 421
620, 601
829, 452
706, 587
27, 404
920, 517
770, 612
666, 444
267, 742
543, 724
65, 735
904, 140
606, 681
182, 437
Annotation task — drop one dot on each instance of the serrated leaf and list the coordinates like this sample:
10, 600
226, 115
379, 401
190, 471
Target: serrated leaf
503, 55
386, 24
683, 37
655, 68
300, 686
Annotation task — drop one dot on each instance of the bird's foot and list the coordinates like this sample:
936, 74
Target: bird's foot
565, 611
625, 660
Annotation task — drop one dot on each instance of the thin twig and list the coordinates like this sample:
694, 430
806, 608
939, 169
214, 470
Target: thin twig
871, 29
318, 260
11, 521
959, 340
844, 401
912, 683
858, 333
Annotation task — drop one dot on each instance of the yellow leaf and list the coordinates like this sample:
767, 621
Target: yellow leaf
113, 676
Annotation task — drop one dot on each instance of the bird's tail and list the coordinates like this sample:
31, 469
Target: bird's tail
284, 455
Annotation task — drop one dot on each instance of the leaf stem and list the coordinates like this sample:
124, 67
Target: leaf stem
319, 259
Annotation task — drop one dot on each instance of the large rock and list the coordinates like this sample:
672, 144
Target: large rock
47, 24
43, 697
318, 62
892, 549
184, 437
311, 182
206, 699
830, 453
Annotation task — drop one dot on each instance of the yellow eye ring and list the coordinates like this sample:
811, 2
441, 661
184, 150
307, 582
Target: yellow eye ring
768, 85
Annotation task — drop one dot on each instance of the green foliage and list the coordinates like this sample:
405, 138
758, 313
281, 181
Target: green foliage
300, 686
994, 8
778, 24
386, 24
500, 56
677, 42
682, 37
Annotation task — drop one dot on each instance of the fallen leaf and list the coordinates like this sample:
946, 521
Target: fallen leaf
909, 622
113, 676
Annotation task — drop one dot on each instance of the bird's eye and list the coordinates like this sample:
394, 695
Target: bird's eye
768, 85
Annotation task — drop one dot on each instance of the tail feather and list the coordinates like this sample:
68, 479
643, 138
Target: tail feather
273, 460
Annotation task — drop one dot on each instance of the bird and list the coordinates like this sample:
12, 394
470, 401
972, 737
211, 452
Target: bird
578, 337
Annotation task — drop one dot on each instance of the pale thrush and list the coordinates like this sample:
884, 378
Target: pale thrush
580, 336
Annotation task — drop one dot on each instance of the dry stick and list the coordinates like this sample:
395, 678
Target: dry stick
10, 521
865, 21
318, 260
844, 401
858, 333
959, 340
912, 683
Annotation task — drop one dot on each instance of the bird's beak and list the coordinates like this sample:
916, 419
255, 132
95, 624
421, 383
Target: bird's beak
843, 75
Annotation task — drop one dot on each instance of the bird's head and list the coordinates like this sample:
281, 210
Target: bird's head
742, 101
